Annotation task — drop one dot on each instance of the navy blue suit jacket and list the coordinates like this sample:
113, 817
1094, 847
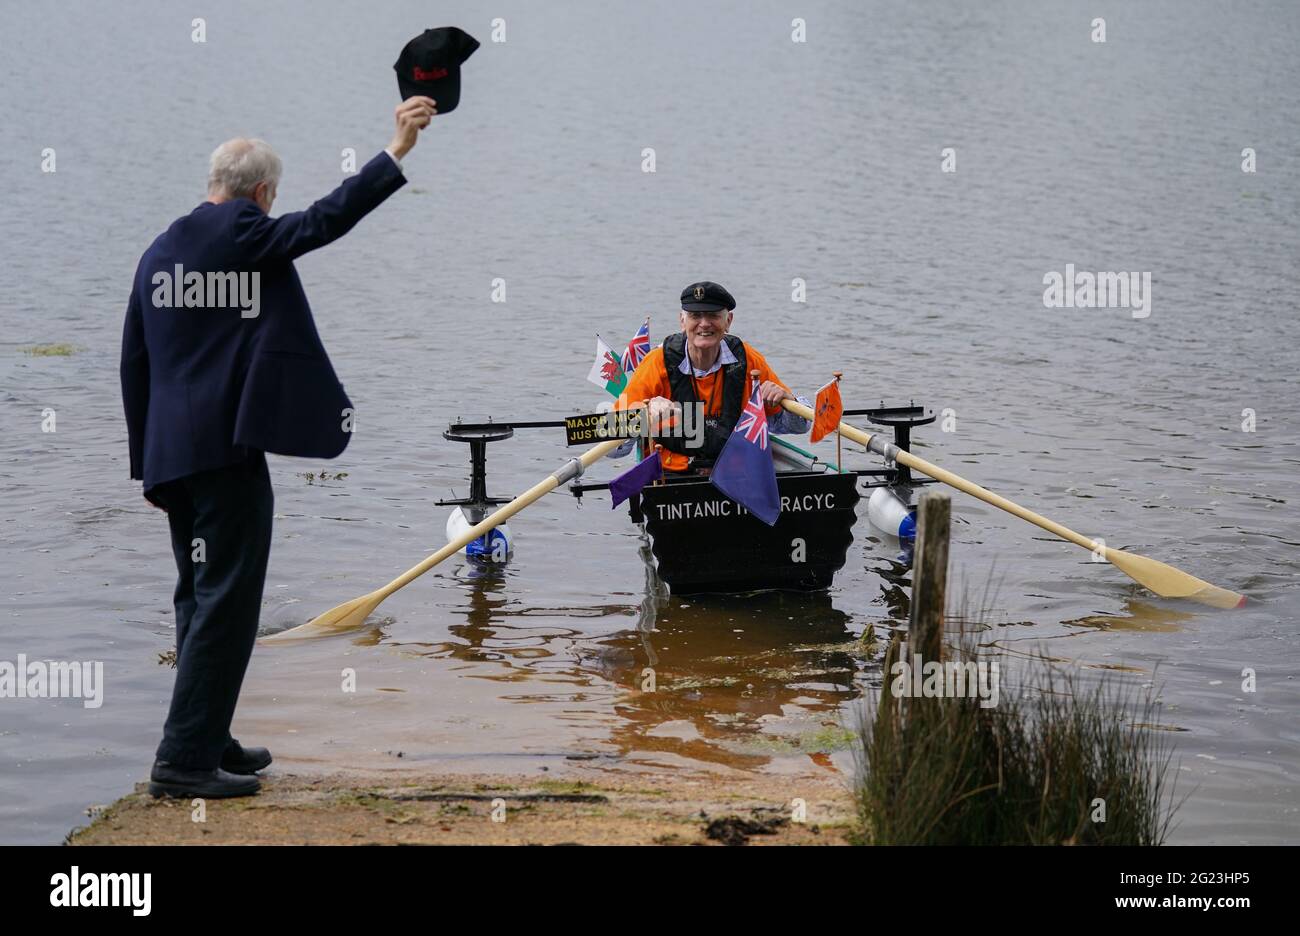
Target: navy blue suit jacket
204, 386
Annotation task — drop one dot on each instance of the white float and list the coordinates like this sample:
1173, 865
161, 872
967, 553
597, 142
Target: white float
496, 546
890, 511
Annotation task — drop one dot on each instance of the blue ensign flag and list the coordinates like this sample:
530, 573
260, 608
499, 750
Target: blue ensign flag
744, 471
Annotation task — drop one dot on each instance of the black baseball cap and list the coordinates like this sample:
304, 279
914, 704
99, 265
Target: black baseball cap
430, 65
706, 297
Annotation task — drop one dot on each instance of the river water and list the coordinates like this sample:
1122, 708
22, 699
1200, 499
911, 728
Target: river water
774, 160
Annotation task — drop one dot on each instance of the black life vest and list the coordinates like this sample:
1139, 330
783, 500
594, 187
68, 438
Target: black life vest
735, 384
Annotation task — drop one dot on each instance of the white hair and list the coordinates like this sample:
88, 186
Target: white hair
238, 165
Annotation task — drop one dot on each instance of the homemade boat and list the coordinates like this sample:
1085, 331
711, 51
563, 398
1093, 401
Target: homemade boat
703, 541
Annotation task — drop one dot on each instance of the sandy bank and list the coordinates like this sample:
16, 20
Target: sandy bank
459, 810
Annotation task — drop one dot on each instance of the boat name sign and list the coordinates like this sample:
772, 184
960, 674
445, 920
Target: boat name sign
727, 507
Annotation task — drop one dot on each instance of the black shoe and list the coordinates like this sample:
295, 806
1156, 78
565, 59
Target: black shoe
244, 760
170, 780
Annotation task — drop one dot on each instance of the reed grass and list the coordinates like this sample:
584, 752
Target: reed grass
1030, 771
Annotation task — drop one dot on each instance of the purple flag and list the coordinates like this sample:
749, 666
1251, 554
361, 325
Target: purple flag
634, 479
744, 469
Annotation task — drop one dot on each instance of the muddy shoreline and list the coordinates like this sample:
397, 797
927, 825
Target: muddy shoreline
428, 809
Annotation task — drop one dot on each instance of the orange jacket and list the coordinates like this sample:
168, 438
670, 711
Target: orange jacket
650, 379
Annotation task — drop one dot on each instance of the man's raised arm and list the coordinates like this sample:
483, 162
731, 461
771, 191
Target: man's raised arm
269, 240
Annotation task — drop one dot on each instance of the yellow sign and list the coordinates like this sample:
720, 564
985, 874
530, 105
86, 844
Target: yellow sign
595, 427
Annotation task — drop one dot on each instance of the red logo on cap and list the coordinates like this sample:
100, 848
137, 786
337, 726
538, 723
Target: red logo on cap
433, 74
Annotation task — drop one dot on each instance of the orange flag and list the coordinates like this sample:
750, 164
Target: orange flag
827, 411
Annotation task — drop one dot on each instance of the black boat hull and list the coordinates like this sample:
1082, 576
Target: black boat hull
704, 542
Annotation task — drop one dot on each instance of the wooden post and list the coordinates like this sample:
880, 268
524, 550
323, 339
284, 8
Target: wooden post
930, 576
893, 652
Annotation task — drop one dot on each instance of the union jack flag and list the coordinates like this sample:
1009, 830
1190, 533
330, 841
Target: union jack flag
753, 421
637, 348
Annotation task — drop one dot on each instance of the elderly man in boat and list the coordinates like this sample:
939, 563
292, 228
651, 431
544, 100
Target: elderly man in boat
705, 368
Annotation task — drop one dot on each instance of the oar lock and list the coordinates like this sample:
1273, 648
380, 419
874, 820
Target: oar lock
886, 449
571, 469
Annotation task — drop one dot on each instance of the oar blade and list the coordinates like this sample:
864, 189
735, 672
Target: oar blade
1169, 582
345, 617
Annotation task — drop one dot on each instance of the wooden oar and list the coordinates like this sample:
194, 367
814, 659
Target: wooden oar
1162, 579
352, 614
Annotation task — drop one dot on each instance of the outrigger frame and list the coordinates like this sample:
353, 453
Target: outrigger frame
902, 419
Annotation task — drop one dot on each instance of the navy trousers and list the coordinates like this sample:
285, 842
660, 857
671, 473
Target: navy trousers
221, 538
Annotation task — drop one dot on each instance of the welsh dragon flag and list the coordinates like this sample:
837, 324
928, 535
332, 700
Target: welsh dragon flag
607, 372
